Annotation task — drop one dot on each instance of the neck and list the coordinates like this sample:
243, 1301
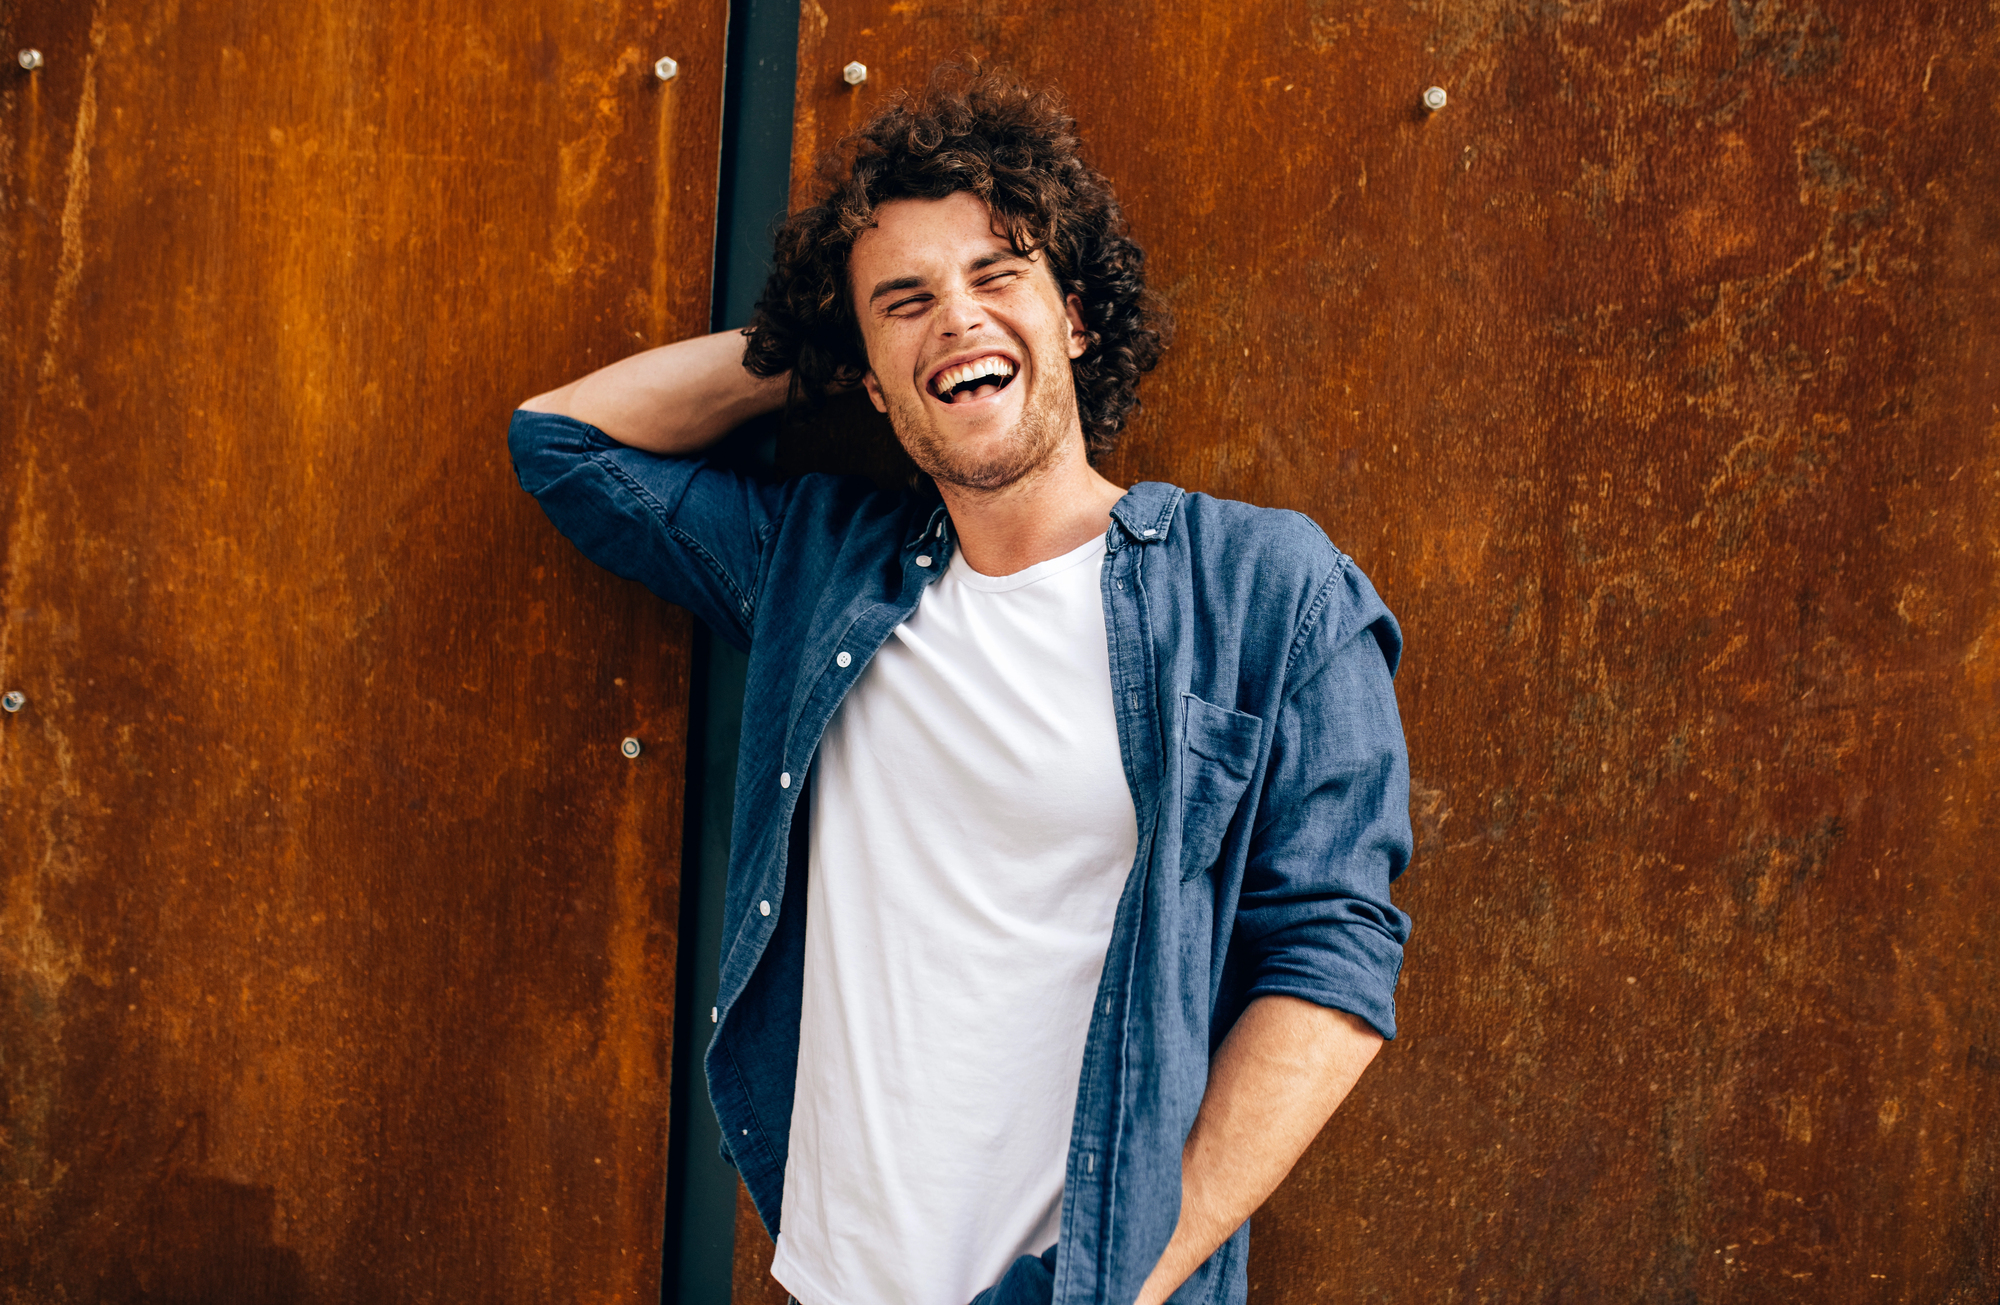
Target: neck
1053, 509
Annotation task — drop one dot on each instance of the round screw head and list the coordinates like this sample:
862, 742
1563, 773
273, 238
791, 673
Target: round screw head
1434, 99
666, 69
854, 73
13, 700
630, 747
31, 60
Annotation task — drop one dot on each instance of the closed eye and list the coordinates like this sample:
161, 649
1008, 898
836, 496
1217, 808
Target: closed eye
914, 301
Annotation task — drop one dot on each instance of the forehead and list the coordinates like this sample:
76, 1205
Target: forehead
922, 237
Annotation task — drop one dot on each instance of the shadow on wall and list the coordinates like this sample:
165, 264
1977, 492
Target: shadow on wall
201, 1241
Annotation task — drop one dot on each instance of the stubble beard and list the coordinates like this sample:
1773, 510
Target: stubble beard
1035, 442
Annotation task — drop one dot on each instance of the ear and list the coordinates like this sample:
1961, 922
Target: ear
1079, 339
874, 388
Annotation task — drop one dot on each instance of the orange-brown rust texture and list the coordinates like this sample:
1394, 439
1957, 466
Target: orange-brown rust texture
336, 935
1652, 381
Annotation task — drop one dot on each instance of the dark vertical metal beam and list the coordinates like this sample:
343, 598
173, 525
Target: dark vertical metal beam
701, 1196
755, 185
756, 149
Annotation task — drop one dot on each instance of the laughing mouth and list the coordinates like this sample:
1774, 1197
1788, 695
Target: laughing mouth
973, 380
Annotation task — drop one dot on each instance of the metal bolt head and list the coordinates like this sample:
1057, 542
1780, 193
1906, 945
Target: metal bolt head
31, 60
854, 73
666, 69
1434, 99
630, 747
13, 700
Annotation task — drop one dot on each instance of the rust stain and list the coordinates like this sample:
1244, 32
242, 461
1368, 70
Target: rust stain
581, 160
668, 261
76, 194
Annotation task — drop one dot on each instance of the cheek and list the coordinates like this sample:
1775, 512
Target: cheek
1061, 331
892, 353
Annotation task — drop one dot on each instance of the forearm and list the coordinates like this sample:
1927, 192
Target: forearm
1279, 1075
677, 398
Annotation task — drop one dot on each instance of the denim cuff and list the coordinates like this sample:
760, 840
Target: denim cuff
1029, 1280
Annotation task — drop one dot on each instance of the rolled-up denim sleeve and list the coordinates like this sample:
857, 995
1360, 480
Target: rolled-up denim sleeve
695, 534
1333, 820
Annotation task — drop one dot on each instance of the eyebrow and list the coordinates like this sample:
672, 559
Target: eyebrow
890, 287
979, 264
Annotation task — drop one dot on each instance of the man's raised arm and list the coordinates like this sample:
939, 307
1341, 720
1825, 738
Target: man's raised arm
676, 399
605, 456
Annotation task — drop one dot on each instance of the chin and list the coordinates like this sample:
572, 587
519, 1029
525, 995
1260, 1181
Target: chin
976, 464
989, 452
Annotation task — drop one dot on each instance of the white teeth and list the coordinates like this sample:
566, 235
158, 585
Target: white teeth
991, 365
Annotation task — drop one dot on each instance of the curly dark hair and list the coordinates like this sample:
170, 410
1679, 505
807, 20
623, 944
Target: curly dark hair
970, 129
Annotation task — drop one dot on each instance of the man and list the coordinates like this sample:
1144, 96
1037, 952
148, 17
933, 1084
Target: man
1059, 915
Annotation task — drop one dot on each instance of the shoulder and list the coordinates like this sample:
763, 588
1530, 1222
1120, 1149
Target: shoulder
1273, 550
845, 505
1281, 563
1291, 541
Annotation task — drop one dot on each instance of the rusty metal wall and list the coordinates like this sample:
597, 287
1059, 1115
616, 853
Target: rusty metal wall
336, 935
1652, 380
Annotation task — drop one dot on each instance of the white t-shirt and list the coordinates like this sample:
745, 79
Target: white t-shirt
971, 831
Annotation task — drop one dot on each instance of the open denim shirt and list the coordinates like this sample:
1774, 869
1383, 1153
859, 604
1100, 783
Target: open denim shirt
1251, 667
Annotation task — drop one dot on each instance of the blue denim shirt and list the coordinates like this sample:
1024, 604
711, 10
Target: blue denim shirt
1251, 666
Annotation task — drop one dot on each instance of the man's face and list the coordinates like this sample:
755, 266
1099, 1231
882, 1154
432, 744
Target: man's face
969, 344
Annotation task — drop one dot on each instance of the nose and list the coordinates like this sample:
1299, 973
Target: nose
958, 314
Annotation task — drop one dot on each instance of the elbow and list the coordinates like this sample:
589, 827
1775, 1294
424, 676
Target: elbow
552, 401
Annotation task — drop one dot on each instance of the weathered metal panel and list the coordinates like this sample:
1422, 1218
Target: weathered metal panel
1652, 380
336, 935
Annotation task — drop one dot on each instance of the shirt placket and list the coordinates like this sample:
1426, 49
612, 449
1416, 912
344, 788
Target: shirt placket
924, 559
1088, 1231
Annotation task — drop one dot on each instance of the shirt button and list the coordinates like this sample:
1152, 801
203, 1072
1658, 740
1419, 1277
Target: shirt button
785, 780
1149, 532
923, 559
843, 661
713, 1015
763, 908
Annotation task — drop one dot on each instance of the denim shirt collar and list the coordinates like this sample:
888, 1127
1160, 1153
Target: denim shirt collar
926, 526
1146, 513
1144, 516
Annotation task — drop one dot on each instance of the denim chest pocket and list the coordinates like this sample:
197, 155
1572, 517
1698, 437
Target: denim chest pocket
1218, 756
